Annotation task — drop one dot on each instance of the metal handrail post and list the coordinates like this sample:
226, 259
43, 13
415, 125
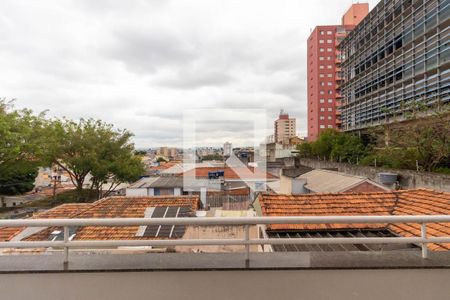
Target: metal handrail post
247, 246
66, 247
423, 233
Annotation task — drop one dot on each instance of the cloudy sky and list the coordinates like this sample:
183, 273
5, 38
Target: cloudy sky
141, 64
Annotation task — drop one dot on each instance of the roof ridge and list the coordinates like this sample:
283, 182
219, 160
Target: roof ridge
394, 206
94, 204
339, 173
151, 197
101, 201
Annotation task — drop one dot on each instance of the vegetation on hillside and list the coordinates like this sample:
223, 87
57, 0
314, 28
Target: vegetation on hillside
422, 144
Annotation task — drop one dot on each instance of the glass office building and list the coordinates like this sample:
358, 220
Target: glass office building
397, 58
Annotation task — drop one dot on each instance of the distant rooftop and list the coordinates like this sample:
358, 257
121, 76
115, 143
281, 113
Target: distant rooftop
321, 180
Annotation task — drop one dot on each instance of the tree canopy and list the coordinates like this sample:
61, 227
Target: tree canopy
92, 147
21, 146
418, 142
333, 145
87, 149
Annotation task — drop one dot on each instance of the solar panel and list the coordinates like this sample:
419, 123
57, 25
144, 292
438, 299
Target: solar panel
167, 231
183, 212
151, 231
159, 212
171, 212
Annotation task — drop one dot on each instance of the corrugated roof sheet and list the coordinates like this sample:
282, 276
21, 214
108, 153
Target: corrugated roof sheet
323, 181
167, 182
143, 182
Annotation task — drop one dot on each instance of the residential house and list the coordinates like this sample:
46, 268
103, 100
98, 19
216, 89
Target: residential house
111, 207
156, 186
327, 181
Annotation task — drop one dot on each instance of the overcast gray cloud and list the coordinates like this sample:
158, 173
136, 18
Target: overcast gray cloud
141, 64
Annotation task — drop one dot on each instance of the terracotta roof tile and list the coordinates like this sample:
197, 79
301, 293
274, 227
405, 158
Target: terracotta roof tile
118, 207
163, 166
62, 211
404, 202
7, 233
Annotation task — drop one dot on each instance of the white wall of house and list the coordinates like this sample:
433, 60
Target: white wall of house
177, 191
298, 186
136, 192
285, 185
292, 186
13, 201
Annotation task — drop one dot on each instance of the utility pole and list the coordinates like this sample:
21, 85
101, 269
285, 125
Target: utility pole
56, 177
54, 188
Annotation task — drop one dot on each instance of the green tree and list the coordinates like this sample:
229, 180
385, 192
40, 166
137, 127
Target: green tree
347, 148
304, 150
116, 164
140, 152
324, 144
21, 146
430, 137
92, 147
389, 157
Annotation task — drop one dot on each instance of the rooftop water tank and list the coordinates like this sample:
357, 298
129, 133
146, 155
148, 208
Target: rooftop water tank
388, 178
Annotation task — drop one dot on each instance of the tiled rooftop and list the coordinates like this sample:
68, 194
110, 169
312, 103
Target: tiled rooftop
163, 166
7, 233
111, 207
407, 202
68, 210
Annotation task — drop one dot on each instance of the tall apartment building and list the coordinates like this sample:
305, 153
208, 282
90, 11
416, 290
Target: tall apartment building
323, 67
395, 59
284, 128
227, 149
167, 152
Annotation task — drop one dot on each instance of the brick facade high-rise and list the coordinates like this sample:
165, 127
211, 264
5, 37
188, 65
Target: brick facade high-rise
284, 128
324, 74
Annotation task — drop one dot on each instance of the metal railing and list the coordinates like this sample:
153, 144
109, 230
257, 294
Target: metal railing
219, 200
67, 244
